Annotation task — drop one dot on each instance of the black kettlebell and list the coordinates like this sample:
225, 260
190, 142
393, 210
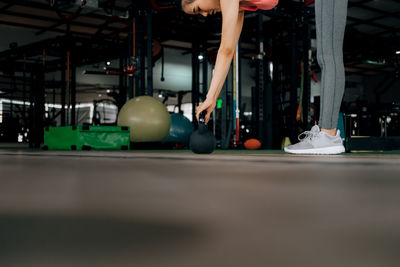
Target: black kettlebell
202, 141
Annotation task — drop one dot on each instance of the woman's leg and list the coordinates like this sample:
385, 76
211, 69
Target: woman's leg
330, 16
330, 22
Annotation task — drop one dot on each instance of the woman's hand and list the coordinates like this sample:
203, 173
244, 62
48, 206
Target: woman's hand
208, 105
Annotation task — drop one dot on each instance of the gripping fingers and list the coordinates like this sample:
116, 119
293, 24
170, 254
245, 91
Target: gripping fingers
199, 110
208, 115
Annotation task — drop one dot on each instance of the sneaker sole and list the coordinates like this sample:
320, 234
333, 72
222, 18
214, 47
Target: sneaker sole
318, 151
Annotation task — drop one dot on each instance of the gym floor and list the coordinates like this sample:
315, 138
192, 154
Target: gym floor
175, 208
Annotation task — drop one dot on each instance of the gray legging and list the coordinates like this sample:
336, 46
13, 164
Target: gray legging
330, 17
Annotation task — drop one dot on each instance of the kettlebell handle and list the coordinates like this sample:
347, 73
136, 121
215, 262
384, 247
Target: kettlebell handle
202, 117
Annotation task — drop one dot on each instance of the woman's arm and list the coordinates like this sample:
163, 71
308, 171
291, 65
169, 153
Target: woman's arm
232, 23
231, 29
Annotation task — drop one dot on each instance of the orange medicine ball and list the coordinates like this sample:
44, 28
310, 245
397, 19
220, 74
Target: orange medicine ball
252, 144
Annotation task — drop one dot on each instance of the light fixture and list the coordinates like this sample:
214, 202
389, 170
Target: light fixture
271, 70
200, 57
108, 63
398, 52
376, 62
108, 91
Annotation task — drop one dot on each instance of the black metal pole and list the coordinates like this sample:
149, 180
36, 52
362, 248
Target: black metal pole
307, 78
224, 116
140, 70
260, 81
180, 97
63, 88
293, 83
73, 94
13, 87
131, 59
254, 110
37, 109
268, 123
204, 72
195, 79
149, 90
24, 91
122, 94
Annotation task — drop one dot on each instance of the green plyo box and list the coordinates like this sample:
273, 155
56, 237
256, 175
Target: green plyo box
87, 138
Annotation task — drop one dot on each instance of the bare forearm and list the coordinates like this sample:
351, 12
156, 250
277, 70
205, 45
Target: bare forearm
224, 59
221, 70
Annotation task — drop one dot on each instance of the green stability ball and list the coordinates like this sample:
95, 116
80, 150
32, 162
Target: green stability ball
147, 118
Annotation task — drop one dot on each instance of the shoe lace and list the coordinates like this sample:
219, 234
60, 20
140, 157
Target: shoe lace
307, 135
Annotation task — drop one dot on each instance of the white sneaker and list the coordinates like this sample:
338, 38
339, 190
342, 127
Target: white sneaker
317, 142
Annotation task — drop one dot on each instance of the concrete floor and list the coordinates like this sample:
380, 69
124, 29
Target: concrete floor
176, 209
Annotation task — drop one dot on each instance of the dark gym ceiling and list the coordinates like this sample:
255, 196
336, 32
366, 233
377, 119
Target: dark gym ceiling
372, 33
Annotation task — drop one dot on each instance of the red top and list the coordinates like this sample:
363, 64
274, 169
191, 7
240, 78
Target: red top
261, 4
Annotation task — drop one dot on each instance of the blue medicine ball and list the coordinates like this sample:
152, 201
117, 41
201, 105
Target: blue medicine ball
180, 130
